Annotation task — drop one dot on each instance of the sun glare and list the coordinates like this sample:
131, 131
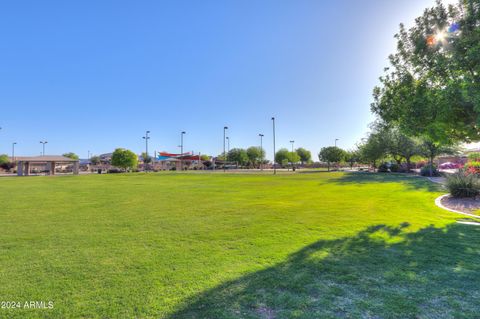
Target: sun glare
440, 36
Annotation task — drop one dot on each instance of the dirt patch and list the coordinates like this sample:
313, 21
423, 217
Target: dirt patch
465, 205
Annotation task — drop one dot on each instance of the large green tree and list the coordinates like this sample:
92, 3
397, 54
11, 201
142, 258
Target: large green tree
373, 149
352, 157
398, 145
293, 158
4, 159
305, 155
255, 155
331, 154
238, 155
282, 157
432, 87
125, 159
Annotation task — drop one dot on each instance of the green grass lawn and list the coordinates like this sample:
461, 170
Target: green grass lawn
184, 245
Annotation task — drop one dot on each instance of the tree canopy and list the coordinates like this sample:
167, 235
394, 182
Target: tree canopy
146, 158
305, 155
204, 157
95, 160
124, 158
432, 87
293, 157
4, 159
331, 154
352, 157
71, 155
255, 155
238, 155
282, 156
372, 149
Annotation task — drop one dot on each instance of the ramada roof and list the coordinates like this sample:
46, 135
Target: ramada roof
43, 159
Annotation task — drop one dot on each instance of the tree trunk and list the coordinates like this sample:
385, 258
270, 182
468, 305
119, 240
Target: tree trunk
431, 166
408, 164
328, 165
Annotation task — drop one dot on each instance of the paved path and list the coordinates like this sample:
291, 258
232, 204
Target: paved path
438, 180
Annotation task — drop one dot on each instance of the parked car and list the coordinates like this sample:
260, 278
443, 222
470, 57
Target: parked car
449, 165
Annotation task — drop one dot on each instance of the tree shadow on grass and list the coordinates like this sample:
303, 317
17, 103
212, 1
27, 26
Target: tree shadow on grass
409, 180
381, 272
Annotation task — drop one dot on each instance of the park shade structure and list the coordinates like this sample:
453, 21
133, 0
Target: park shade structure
178, 159
24, 164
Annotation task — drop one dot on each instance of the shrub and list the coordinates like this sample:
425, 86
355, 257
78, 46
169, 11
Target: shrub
474, 157
7, 166
473, 167
395, 168
462, 184
114, 171
425, 171
383, 168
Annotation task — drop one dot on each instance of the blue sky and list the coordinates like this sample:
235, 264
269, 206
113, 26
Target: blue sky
94, 75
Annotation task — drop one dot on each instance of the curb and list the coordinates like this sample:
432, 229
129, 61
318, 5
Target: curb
438, 202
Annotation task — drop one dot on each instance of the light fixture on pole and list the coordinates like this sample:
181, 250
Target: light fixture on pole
225, 128
292, 142
145, 158
336, 142
43, 147
261, 151
274, 165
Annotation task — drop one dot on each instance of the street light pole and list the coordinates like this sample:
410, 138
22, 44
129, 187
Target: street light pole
43, 147
181, 142
181, 147
145, 159
261, 151
336, 142
13, 151
292, 144
225, 128
274, 166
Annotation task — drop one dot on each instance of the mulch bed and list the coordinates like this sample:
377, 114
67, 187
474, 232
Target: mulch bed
466, 205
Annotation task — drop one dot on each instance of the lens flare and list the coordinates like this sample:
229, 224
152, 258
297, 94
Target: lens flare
440, 36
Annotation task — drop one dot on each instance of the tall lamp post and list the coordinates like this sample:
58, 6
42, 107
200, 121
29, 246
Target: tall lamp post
182, 133
13, 151
181, 142
261, 150
274, 166
336, 142
292, 142
145, 159
43, 147
225, 128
